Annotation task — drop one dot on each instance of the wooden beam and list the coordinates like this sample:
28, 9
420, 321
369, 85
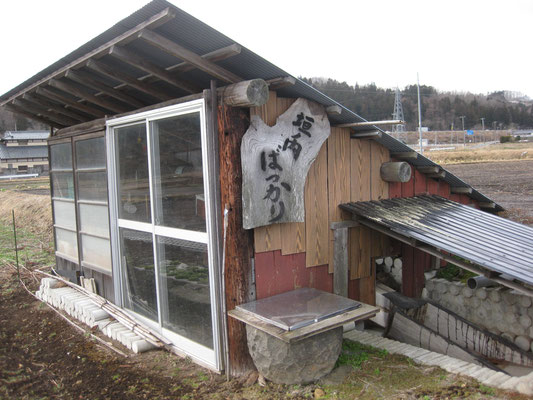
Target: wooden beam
88, 80
405, 155
252, 93
487, 204
86, 95
41, 101
143, 64
72, 103
439, 175
35, 109
153, 22
334, 110
340, 262
460, 190
184, 54
366, 135
129, 80
20, 111
395, 171
213, 56
429, 170
282, 81
370, 123
344, 224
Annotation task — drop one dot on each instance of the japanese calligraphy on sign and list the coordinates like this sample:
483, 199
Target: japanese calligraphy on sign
275, 162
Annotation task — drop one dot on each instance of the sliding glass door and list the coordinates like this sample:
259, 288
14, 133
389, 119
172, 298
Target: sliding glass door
162, 225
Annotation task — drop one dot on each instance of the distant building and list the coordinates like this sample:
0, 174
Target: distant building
23, 152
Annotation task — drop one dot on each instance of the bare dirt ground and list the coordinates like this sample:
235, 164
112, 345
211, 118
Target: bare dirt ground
44, 357
508, 183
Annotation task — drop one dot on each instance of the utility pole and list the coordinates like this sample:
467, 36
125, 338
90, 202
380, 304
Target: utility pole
419, 115
483, 123
483, 129
464, 132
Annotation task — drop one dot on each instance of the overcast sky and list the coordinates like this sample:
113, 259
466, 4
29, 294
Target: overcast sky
465, 46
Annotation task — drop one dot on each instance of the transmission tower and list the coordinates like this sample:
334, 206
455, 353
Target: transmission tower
398, 131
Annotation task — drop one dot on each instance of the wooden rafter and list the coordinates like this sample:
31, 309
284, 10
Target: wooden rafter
214, 56
184, 54
38, 100
21, 111
85, 94
72, 103
153, 22
129, 80
143, 64
39, 110
86, 79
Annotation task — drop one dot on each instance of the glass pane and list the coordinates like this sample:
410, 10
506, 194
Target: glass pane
91, 153
132, 172
62, 185
138, 265
64, 214
66, 243
96, 251
92, 186
94, 219
61, 156
178, 177
184, 280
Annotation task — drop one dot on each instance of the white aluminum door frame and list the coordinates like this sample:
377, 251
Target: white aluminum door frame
206, 356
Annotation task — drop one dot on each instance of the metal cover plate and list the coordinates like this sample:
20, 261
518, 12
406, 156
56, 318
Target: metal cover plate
299, 308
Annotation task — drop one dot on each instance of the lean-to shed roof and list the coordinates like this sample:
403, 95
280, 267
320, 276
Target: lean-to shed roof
483, 239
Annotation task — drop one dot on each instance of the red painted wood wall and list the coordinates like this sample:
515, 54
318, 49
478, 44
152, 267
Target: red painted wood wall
277, 273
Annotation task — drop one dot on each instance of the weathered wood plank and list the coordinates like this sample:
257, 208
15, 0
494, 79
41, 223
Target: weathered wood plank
340, 262
365, 251
292, 233
267, 238
367, 290
364, 312
360, 170
339, 158
316, 212
354, 250
239, 249
378, 187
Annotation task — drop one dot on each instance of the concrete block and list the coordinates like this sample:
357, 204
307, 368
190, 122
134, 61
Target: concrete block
494, 295
454, 289
525, 321
524, 301
430, 285
467, 292
525, 387
442, 287
523, 342
510, 297
140, 346
481, 293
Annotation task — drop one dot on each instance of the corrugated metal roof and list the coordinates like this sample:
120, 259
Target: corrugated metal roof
12, 152
487, 240
200, 38
26, 135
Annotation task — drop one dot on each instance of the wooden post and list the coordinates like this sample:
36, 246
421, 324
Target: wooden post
232, 124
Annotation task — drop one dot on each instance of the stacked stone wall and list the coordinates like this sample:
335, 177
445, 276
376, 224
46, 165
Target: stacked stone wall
499, 310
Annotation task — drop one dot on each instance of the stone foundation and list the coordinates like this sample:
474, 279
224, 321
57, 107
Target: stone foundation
301, 362
499, 310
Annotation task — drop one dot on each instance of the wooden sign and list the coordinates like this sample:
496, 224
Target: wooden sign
275, 162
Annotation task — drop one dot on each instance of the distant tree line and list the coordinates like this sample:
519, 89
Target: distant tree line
440, 110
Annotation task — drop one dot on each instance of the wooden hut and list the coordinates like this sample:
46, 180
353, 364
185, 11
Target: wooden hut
146, 173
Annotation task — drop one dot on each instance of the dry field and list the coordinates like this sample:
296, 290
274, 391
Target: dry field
492, 153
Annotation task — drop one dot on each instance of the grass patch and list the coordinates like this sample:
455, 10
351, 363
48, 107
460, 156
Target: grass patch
31, 249
493, 153
355, 354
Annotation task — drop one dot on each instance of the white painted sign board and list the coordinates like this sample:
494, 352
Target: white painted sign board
275, 162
